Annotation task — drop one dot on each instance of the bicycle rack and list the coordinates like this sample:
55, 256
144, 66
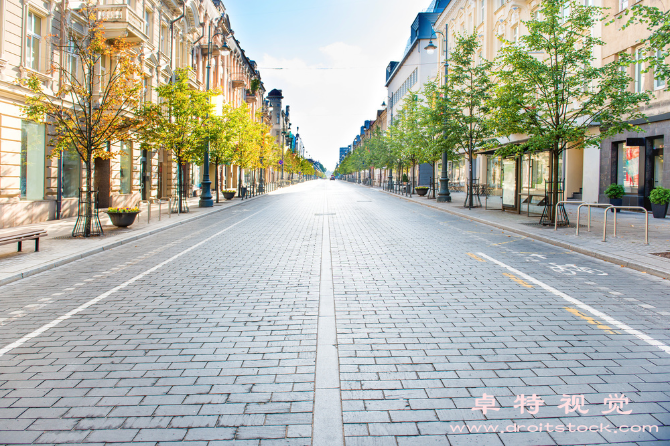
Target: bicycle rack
614, 209
589, 205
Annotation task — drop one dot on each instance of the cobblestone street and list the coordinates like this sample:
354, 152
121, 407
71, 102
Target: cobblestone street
330, 314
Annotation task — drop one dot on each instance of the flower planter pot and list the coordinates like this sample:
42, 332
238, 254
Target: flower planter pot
421, 192
228, 195
122, 219
616, 202
659, 210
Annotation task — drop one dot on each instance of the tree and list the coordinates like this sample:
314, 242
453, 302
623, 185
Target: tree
179, 122
466, 99
551, 88
92, 109
656, 47
434, 120
412, 135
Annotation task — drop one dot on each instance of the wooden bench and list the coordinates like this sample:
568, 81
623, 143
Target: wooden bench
20, 237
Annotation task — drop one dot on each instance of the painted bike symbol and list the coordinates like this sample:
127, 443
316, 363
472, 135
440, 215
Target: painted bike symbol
572, 270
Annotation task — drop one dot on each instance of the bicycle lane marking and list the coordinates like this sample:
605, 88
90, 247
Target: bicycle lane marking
106, 294
631, 331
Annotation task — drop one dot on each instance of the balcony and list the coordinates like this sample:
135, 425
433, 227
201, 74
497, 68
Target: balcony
250, 97
238, 81
122, 21
193, 81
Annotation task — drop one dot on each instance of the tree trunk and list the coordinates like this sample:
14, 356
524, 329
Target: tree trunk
216, 178
89, 199
179, 184
470, 181
554, 183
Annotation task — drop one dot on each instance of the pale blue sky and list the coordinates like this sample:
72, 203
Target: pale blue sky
333, 54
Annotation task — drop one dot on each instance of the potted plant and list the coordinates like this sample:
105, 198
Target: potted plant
404, 178
123, 217
659, 197
228, 194
421, 190
615, 192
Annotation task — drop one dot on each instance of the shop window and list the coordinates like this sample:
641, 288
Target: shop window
126, 168
628, 168
71, 173
32, 160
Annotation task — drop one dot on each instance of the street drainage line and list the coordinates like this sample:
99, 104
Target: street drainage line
631, 331
327, 425
106, 294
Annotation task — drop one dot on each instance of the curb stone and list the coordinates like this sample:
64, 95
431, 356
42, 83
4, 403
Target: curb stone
595, 254
112, 245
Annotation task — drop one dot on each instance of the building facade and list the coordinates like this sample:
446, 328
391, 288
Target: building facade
635, 160
166, 36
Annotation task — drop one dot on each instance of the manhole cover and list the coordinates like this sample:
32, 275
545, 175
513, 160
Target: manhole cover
322, 215
665, 255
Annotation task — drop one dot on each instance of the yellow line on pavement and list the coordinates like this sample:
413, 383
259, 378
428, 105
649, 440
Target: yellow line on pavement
479, 259
517, 280
592, 321
511, 241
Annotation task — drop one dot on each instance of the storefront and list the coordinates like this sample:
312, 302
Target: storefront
635, 161
519, 184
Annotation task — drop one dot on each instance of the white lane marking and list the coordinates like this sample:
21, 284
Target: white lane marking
95, 300
631, 331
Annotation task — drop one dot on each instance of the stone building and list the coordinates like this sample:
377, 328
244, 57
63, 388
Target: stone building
167, 36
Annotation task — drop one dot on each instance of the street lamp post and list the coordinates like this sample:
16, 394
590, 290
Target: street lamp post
443, 196
261, 183
206, 200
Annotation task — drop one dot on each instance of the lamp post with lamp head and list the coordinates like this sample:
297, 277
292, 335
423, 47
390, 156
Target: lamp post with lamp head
206, 200
443, 195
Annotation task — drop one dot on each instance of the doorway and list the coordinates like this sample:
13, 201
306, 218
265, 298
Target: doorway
509, 179
102, 181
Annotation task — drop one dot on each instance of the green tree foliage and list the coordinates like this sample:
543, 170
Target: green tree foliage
551, 88
656, 47
91, 108
179, 122
465, 102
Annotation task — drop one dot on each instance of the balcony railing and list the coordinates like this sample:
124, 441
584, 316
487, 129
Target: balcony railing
250, 97
238, 81
193, 79
121, 20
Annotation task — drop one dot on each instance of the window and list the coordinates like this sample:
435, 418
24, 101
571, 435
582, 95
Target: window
33, 39
470, 28
515, 34
32, 160
482, 10
536, 14
628, 167
71, 173
638, 71
658, 82
480, 58
147, 23
623, 4
146, 84
162, 42
126, 168
71, 57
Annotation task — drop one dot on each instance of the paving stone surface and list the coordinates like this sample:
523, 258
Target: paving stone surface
209, 334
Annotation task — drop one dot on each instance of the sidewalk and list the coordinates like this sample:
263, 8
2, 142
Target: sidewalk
627, 249
59, 247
